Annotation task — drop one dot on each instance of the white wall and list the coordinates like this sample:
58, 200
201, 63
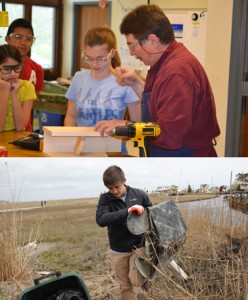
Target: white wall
218, 43
217, 59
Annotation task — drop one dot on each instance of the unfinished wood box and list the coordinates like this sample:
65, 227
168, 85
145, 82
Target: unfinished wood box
77, 141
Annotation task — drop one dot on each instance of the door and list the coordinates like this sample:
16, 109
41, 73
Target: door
85, 17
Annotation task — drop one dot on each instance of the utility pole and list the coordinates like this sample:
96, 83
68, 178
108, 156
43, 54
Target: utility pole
230, 200
230, 188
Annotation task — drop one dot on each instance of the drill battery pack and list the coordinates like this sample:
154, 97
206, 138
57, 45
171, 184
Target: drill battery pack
34, 141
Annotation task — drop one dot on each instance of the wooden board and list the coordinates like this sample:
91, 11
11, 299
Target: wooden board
71, 131
77, 141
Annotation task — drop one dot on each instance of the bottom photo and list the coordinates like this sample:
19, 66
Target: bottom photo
123, 228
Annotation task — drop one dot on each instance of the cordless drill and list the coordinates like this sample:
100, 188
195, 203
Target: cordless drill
138, 132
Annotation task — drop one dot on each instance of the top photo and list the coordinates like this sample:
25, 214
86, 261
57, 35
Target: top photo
154, 78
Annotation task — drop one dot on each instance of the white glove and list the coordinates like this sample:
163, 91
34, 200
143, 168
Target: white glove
139, 209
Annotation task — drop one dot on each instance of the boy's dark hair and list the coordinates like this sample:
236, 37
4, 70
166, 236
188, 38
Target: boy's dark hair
113, 175
145, 20
23, 23
8, 51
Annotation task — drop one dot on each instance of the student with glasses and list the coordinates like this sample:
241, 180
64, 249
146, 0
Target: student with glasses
21, 35
16, 95
176, 94
94, 94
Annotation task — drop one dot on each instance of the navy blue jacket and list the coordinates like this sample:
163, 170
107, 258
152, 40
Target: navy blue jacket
112, 212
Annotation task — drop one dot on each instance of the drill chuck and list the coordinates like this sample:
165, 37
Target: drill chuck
124, 131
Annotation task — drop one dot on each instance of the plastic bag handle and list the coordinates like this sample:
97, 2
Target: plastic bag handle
56, 273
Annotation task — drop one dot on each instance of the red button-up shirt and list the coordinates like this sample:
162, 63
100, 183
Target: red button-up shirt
181, 102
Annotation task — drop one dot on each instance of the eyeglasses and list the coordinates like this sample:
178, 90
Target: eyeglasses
100, 60
19, 37
132, 47
8, 69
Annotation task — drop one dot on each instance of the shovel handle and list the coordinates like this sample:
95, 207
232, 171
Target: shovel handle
56, 273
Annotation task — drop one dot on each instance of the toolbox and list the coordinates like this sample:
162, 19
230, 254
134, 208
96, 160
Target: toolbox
59, 287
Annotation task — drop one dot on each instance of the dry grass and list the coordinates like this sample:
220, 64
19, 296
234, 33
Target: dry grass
73, 242
13, 265
215, 271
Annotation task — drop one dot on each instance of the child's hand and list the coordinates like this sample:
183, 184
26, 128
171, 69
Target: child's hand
102, 3
4, 85
15, 86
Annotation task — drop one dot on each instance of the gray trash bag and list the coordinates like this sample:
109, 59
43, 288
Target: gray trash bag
139, 224
165, 232
168, 224
163, 220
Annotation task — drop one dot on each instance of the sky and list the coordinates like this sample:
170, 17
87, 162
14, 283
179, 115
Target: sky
36, 179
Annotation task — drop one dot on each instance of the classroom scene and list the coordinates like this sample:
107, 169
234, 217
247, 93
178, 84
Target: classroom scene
98, 78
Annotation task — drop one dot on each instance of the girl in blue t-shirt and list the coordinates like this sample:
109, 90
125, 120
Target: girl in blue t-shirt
94, 95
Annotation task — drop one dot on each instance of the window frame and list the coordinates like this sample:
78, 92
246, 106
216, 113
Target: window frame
49, 74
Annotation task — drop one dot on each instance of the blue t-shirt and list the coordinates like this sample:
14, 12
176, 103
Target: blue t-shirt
97, 100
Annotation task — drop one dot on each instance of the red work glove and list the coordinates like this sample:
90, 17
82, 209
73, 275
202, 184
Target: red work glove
137, 208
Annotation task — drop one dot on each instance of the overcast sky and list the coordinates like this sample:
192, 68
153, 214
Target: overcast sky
31, 179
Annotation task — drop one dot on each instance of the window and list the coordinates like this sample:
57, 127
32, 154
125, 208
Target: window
43, 50
46, 19
15, 11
